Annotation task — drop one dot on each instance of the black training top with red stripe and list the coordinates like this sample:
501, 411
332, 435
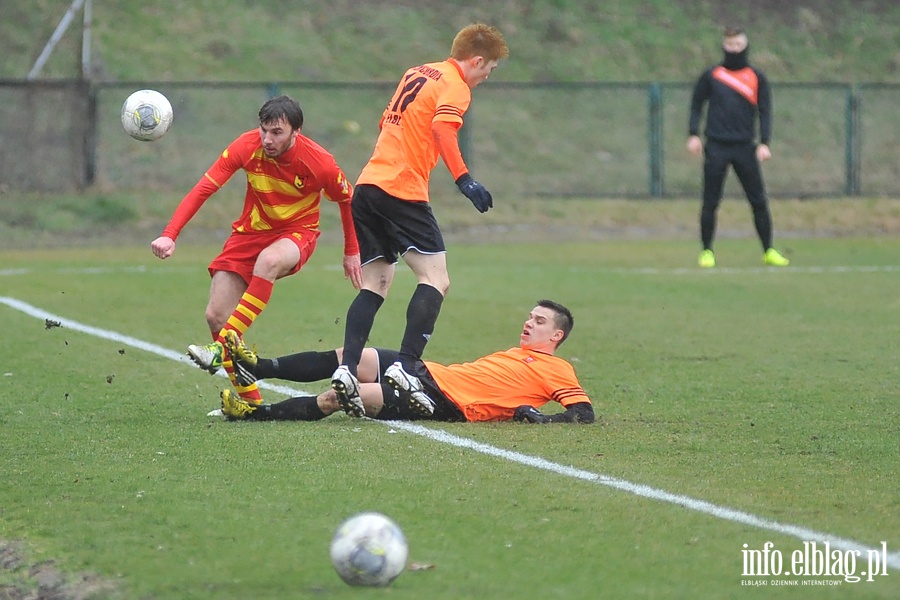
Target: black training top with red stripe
736, 98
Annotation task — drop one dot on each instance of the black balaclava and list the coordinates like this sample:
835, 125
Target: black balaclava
735, 61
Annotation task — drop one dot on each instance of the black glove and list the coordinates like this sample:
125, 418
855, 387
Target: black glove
530, 414
475, 192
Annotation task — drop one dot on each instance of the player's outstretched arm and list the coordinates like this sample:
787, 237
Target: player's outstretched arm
580, 412
447, 142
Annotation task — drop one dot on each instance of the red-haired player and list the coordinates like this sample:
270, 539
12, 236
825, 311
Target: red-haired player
390, 205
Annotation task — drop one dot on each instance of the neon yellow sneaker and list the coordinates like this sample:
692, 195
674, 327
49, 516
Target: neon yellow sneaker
244, 358
207, 357
234, 407
707, 259
774, 258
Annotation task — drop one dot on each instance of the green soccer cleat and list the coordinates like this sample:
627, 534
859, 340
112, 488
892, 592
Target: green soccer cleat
244, 358
707, 259
235, 407
207, 357
774, 258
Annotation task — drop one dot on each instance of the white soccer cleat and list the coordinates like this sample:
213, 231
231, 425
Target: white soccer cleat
402, 381
207, 357
346, 386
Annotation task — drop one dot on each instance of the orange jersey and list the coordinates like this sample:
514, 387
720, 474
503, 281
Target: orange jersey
283, 193
406, 153
492, 387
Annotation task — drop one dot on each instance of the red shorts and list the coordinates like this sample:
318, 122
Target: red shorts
241, 250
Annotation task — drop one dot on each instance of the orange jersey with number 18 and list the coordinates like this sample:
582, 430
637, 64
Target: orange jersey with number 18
405, 153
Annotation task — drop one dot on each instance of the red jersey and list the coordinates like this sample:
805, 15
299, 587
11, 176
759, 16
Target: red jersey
283, 193
406, 153
492, 387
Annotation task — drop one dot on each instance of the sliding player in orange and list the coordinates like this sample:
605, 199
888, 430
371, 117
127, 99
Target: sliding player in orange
287, 176
512, 384
391, 211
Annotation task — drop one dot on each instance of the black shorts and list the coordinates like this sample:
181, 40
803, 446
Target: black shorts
444, 410
387, 227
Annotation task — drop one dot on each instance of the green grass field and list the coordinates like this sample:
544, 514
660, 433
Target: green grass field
738, 406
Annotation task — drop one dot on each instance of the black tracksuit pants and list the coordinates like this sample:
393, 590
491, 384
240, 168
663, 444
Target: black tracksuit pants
742, 156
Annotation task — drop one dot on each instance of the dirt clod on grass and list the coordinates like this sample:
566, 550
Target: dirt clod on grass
43, 581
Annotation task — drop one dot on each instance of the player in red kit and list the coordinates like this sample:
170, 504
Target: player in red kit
288, 174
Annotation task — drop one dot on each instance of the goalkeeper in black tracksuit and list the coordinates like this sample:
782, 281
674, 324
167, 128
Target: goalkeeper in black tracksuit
736, 94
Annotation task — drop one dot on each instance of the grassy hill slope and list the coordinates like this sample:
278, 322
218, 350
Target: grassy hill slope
346, 40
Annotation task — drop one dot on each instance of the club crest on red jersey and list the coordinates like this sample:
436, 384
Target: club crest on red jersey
345, 185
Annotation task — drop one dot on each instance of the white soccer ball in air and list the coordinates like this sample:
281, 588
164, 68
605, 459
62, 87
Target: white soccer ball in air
369, 549
146, 115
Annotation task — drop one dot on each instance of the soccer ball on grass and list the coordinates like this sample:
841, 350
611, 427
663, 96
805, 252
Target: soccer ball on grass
369, 549
146, 115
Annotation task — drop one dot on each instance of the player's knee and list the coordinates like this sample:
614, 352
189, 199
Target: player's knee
270, 266
758, 205
381, 286
439, 281
441, 284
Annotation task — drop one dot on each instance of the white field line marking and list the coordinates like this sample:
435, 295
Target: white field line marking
124, 339
614, 270
742, 270
644, 491
100, 270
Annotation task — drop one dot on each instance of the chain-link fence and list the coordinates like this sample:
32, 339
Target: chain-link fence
565, 139
45, 128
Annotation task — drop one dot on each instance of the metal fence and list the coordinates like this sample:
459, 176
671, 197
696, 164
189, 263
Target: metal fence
591, 139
